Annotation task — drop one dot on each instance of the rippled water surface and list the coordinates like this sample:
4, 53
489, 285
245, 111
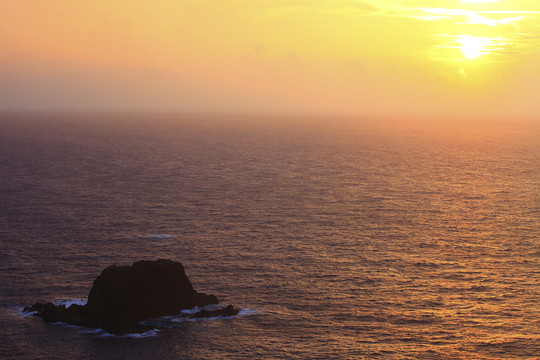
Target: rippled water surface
344, 241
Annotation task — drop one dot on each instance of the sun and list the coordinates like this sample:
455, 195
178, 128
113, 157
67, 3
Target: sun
473, 46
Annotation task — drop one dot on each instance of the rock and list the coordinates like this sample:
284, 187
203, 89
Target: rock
145, 290
225, 312
123, 296
49, 312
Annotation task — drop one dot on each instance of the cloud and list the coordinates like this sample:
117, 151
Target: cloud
362, 5
321, 7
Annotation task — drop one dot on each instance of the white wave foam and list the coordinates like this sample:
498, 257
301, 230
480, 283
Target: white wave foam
149, 333
241, 313
184, 316
66, 302
104, 334
248, 312
69, 302
196, 309
191, 311
158, 236
165, 322
21, 312
214, 318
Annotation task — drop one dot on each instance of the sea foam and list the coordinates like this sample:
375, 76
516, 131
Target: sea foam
164, 322
158, 236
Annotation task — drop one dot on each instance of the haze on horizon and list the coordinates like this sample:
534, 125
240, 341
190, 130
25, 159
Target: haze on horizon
386, 58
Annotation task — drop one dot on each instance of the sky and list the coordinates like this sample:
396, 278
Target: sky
386, 58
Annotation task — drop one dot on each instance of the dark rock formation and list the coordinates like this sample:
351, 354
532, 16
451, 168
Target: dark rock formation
225, 312
123, 296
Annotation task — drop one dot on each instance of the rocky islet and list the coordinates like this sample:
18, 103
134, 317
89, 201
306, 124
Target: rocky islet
124, 296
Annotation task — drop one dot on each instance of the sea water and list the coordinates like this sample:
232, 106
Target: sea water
338, 239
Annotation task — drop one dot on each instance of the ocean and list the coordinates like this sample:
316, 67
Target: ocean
337, 239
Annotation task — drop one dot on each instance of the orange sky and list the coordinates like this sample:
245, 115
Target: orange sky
386, 58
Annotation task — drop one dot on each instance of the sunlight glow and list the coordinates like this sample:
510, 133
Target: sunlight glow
272, 56
478, 1
473, 46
